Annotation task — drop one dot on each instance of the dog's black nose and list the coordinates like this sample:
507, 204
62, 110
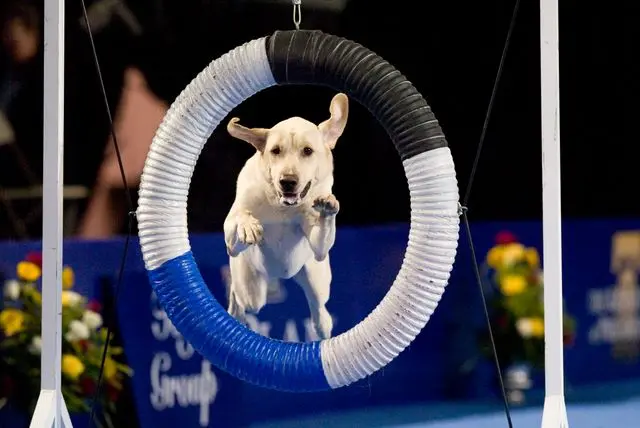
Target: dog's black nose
288, 184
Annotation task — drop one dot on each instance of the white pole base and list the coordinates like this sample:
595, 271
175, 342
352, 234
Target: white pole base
554, 413
51, 411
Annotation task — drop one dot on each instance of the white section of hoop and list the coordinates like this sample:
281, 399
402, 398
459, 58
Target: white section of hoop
192, 118
425, 271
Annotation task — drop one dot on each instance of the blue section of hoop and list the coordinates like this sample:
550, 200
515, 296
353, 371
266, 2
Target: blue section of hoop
195, 312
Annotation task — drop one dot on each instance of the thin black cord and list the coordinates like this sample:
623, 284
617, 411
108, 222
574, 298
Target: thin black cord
111, 322
494, 92
111, 319
476, 270
464, 209
108, 109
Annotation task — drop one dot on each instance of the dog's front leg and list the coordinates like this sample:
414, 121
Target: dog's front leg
321, 228
241, 229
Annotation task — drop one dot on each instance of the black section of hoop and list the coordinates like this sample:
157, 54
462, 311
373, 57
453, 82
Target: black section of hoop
313, 57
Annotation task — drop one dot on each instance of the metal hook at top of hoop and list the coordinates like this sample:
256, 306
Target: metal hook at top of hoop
297, 13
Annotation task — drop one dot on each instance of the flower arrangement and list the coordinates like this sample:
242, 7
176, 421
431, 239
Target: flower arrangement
82, 345
517, 308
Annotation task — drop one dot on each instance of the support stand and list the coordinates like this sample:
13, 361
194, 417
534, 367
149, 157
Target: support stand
554, 414
51, 410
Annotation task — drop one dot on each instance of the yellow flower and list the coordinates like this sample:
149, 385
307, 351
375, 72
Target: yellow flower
513, 284
494, 257
110, 369
531, 254
512, 253
537, 327
72, 367
11, 321
68, 278
28, 271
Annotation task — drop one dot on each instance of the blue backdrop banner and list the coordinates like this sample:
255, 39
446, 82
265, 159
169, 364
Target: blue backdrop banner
174, 386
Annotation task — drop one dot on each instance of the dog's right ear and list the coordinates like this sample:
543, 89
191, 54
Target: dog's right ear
257, 137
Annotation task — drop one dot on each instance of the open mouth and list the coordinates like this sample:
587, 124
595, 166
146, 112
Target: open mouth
294, 198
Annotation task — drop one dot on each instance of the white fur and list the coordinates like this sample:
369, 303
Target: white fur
273, 234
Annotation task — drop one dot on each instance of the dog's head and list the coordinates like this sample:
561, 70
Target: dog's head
295, 153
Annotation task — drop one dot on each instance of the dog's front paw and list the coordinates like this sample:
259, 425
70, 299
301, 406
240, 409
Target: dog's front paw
249, 230
327, 205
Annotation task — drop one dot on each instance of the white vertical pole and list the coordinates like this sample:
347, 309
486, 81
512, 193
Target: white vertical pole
554, 413
51, 410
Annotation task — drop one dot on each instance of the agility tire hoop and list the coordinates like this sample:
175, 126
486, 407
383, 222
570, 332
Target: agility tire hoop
299, 57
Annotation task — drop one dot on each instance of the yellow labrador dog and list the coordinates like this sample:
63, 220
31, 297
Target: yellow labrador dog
282, 223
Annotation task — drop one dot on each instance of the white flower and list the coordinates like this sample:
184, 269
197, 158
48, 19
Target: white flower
71, 298
12, 289
524, 327
77, 331
518, 377
515, 396
92, 319
35, 347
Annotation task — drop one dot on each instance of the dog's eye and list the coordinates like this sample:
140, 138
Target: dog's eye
308, 151
275, 151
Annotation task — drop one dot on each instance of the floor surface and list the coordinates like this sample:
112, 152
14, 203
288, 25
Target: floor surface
598, 406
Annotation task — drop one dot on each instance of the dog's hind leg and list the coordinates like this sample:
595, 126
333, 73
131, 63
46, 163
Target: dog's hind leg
248, 291
235, 310
315, 280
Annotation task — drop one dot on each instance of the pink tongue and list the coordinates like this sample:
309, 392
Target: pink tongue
290, 199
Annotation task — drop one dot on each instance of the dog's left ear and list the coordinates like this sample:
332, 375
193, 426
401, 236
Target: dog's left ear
257, 137
333, 127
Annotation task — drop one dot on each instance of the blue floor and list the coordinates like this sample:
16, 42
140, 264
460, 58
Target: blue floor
615, 414
602, 406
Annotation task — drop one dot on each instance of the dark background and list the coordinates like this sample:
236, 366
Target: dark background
449, 50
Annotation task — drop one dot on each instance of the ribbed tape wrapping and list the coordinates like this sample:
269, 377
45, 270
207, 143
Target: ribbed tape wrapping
407, 307
192, 118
